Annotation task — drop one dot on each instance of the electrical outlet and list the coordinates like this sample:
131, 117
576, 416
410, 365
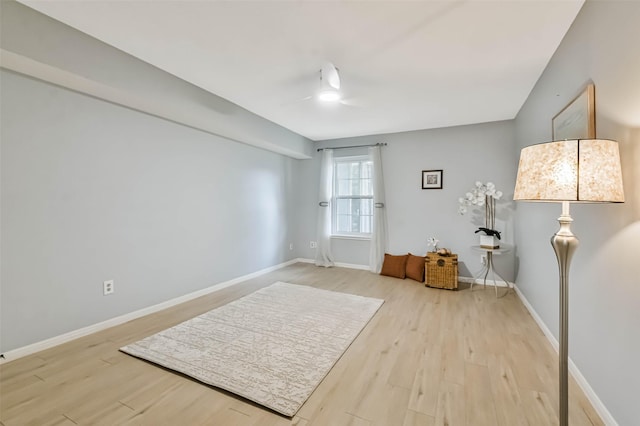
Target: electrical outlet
107, 287
483, 259
290, 246
313, 244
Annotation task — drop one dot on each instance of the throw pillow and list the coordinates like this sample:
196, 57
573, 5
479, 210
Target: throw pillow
415, 268
394, 266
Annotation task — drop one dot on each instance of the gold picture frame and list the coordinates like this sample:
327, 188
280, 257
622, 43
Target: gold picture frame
577, 120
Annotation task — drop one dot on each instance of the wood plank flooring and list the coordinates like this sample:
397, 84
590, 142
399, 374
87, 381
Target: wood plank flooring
428, 357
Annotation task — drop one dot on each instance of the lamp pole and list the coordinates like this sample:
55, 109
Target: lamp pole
564, 244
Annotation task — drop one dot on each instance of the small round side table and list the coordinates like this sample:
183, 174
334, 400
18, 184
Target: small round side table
489, 267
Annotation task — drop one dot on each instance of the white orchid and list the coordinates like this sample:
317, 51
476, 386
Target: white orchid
433, 241
481, 195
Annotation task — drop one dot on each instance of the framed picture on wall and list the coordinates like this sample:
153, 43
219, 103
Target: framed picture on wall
578, 119
432, 179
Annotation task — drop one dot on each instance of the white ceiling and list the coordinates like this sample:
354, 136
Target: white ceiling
403, 65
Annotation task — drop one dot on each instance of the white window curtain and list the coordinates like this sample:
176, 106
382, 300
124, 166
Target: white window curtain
323, 253
379, 231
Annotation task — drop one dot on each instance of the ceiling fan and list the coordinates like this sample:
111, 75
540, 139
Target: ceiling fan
328, 92
329, 84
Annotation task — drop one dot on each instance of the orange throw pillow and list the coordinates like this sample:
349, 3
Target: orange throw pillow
394, 266
415, 267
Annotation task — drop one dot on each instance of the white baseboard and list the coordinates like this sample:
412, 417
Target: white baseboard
75, 334
481, 281
338, 264
352, 266
600, 408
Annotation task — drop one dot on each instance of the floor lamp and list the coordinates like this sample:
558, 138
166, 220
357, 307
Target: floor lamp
569, 171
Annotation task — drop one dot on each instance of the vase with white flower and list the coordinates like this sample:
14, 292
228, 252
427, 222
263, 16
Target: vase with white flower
483, 195
433, 242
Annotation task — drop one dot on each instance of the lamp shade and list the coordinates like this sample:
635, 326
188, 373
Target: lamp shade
585, 170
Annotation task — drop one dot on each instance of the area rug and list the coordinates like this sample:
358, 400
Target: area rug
273, 346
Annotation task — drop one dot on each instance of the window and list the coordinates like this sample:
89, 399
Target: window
352, 213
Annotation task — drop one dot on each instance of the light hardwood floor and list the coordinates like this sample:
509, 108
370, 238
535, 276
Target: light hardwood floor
428, 357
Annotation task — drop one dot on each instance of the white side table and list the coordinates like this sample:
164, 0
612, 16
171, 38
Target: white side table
489, 267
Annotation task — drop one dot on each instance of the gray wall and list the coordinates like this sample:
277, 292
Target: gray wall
466, 153
93, 191
604, 300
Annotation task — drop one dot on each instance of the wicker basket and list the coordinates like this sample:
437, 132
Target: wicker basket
442, 271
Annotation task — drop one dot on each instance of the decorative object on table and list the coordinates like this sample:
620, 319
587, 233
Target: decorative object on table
415, 268
432, 179
273, 346
568, 171
441, 271
483, 195
444, 252
394, 266
433, 242
577, 120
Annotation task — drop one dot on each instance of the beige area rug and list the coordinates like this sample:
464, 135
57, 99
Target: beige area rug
273, 346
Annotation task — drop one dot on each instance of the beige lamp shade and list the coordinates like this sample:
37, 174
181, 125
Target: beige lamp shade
585, 170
